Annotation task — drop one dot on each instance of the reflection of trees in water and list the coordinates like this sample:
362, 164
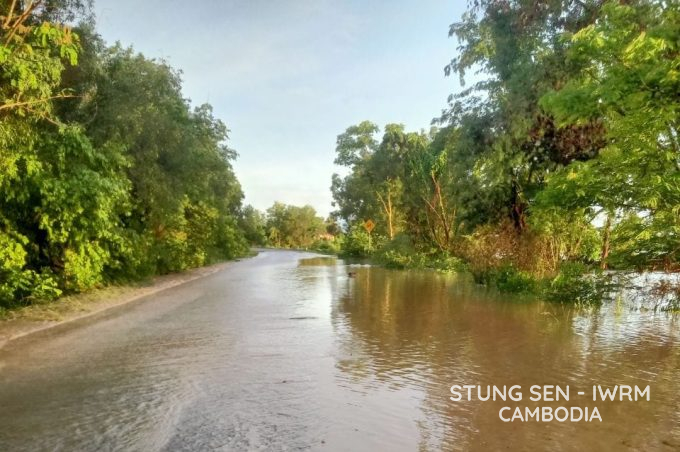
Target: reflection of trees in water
321, 261
426, 331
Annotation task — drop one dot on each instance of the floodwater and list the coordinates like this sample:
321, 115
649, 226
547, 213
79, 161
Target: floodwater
279, 353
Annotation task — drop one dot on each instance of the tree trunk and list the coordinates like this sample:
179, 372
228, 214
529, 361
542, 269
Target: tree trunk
445, 223
605, 242
517, 209
389, 212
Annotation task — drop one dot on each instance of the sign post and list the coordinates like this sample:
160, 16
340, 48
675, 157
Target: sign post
369, 225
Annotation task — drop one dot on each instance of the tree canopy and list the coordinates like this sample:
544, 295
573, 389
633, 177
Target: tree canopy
106, 171
565, 149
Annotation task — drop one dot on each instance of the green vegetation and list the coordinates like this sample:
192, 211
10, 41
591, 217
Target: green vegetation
563, 159
106, 172
292, 227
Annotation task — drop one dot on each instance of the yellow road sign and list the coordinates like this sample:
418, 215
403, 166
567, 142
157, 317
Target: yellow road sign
369, 225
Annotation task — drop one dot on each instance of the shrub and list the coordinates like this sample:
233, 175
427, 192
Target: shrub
401, 253
44, 286
12, 261
358, 243
447, 263
83, 266
18, 283
536, 252
328, 246
574, 284
510, 279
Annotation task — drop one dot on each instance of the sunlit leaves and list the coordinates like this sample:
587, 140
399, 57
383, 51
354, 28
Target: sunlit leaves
631, 83
290, 226
122, 178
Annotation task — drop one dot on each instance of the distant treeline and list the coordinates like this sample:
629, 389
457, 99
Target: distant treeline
564, 156
287, 226
106, 172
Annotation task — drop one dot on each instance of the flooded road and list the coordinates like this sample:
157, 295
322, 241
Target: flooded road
278, 353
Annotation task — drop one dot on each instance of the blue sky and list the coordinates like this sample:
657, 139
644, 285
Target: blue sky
288, 76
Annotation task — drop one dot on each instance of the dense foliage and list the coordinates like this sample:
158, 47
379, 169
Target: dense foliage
563, 155
106, 172
290, 227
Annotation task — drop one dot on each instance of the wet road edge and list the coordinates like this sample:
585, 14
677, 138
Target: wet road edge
13, 329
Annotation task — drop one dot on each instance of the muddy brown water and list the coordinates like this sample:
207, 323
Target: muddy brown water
279, 353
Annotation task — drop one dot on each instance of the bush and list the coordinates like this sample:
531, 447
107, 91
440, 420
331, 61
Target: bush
536, 252
447, 263
132, 257
401, 253
17, 283
575, 284
328, 246
12, 261
396, 259
44, 286
510, 279
229, 242
84, 266
358, 243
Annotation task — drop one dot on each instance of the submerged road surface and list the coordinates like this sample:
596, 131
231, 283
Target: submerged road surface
279, 353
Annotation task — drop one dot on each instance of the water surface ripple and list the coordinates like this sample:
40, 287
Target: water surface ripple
279, 353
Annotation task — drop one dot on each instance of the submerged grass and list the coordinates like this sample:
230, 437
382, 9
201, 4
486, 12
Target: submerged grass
575, 283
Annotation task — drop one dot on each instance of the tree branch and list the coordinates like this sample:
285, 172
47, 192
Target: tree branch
10, 13
38, 101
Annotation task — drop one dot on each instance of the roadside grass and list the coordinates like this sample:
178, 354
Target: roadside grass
37, 310
59, 309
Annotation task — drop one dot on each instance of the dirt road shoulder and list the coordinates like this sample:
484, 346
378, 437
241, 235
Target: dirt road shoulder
38, 317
